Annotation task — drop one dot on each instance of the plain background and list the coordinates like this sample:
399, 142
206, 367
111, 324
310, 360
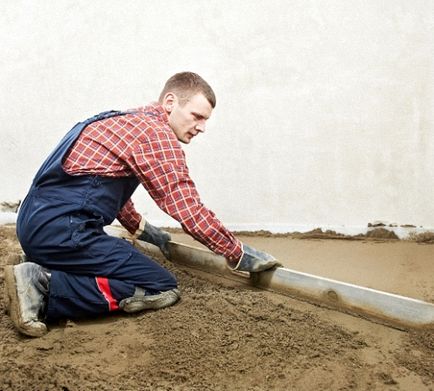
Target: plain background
325, 109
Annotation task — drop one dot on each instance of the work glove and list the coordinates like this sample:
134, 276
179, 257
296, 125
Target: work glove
151, 234
255, 261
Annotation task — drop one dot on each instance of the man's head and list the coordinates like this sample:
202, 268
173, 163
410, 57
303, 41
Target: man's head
188, 100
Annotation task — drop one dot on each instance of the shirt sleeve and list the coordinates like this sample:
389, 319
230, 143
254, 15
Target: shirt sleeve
129, 217
161, 167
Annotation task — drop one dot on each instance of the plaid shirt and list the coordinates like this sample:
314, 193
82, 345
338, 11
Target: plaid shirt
142, 144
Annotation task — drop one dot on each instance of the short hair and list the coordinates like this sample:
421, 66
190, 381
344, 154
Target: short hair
186, 84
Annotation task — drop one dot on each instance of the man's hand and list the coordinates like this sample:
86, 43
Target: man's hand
254, 261
155, 236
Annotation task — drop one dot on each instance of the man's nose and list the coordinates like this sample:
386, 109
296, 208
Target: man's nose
200, 127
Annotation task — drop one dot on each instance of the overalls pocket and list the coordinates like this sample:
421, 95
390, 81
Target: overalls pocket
83, 227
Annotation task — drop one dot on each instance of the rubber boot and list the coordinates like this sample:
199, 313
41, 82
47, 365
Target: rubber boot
27, 291
142, 301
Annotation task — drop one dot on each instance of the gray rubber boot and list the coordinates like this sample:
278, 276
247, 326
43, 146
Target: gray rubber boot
141, 301
27, 290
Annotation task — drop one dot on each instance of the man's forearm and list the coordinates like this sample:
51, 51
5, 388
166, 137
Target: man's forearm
129, 217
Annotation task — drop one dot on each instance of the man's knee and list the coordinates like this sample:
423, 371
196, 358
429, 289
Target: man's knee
166, 281
144, 272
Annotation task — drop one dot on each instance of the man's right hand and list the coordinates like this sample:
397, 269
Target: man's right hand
254, 261
155, 236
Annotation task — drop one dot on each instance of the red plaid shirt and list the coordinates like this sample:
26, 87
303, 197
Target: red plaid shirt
142, 144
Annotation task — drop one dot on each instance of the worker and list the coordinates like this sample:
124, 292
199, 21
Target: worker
74, 269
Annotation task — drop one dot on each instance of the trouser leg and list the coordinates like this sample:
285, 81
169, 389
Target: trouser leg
76, 296
92, 280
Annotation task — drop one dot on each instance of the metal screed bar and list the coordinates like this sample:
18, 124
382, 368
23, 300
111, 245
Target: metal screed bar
388, 308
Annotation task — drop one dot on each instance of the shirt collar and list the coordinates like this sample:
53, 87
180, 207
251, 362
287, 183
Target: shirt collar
158, 110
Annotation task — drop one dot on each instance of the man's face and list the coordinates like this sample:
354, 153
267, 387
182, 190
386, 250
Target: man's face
189, 119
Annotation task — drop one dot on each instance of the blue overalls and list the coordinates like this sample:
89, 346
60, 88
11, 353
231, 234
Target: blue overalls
60, 226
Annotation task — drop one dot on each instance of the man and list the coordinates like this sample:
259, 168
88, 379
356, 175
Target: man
76, 269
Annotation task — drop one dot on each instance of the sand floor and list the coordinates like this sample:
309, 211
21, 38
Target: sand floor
223, 336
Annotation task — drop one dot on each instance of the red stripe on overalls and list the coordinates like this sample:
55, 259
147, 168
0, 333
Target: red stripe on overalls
104, 287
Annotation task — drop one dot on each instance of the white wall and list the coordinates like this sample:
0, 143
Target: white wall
325, 109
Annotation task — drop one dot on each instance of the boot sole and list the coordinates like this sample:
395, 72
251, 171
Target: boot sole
14, 306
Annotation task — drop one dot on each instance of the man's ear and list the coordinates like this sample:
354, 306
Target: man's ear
169, 101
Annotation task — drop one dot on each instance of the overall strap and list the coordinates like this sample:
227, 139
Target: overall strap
51, 168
